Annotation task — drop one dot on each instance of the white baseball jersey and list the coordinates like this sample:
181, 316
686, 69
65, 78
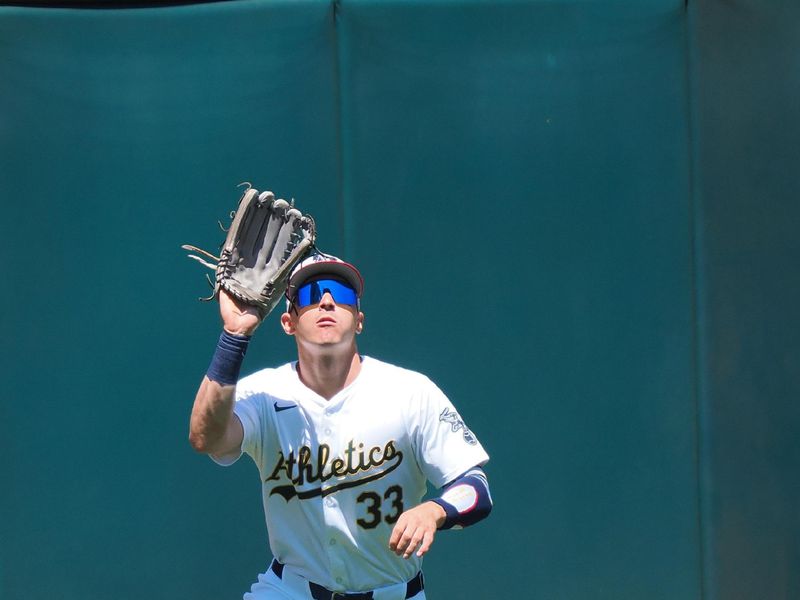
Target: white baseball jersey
336, 474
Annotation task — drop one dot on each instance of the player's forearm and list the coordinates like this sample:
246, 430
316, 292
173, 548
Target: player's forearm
466, 500
211, 416
210, 423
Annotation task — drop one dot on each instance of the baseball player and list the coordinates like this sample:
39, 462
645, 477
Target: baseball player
344, 445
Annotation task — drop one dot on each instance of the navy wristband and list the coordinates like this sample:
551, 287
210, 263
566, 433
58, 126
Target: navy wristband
227, 360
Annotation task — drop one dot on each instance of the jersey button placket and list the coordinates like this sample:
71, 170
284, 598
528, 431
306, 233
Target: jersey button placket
330, 505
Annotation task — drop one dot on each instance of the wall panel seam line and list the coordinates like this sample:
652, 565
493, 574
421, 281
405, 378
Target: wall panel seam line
695, 237
334, 32
343, 138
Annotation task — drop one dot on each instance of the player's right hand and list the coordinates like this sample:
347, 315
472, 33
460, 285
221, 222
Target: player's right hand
237, 317
416, 528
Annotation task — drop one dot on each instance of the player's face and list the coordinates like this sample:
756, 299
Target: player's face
322, 321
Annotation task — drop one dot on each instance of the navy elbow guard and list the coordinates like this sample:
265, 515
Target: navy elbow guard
466, 500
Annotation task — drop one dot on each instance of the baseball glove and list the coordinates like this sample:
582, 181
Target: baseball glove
266, 239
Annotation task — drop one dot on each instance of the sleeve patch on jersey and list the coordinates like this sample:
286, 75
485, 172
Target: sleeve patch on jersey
463, 497
457, 423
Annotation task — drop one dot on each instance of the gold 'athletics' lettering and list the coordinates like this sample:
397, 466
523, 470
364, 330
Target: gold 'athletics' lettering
304, 467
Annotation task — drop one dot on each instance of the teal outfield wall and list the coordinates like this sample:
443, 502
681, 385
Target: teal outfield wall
746, 58
579, 218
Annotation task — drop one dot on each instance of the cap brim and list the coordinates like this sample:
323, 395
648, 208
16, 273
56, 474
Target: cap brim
342, 270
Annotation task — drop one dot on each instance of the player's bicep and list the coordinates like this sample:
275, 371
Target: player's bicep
445, 446
230, 447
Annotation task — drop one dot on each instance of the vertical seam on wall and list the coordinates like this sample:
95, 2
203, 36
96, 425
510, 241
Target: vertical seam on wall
337, 86
342, 137
695, 237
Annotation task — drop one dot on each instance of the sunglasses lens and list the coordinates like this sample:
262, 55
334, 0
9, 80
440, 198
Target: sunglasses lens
311, 293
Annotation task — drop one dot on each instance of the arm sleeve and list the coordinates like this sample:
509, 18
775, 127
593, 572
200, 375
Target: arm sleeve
466, 500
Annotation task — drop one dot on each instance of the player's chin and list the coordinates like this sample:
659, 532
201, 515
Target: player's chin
329, 336
335, 334
330, 342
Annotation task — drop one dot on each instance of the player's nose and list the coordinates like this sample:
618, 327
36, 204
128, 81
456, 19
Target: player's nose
327, 301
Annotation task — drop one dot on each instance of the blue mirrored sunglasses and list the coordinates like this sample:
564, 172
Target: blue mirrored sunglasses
311, 293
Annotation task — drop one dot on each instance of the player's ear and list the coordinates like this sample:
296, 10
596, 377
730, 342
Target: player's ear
287, 322
360, 322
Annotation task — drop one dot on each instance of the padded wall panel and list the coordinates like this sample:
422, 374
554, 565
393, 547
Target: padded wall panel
747, 125
517, 188
123, 135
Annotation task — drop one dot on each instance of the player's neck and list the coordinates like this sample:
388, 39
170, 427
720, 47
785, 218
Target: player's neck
328, 373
